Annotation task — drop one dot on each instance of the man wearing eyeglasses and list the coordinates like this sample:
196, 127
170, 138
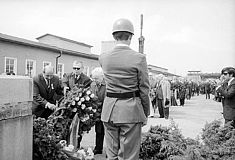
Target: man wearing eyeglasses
45, 88
76, 78
227, 91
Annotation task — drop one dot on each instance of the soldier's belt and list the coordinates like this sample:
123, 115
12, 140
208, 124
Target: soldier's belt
123, 95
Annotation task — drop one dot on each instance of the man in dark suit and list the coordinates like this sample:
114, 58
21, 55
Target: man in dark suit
159, 96
46, 86
227, 91
76, 78
127, 100
98, 87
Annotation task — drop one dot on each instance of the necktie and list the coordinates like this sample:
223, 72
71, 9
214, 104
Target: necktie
48, 83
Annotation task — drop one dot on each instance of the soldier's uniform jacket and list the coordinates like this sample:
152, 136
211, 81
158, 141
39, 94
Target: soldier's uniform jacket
125, 71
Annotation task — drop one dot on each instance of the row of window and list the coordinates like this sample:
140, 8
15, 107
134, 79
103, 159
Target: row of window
30, 67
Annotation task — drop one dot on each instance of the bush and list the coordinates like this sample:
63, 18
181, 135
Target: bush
167, 143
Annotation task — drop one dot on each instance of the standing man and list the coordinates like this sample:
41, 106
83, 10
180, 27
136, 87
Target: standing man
159, 96
76, 78
227, 91
127, 101
45, 88
98, 87
166, 92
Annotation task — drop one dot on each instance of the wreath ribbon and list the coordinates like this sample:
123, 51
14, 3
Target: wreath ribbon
73, 131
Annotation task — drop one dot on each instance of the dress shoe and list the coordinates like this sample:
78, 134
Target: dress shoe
97, 152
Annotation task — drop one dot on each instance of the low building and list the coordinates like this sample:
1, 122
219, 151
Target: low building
159, 70
194, 76
25, 57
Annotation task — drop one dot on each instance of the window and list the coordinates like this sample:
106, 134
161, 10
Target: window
60, 70
30, 67
46, 63
10, 65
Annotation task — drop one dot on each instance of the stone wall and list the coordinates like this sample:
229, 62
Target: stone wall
16, 122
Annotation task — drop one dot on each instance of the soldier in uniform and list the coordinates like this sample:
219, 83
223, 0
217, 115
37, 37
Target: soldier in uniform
127, 100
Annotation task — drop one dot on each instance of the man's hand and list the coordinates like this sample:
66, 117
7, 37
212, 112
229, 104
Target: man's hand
50, 106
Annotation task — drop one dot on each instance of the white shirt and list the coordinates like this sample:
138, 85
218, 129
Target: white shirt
121, 44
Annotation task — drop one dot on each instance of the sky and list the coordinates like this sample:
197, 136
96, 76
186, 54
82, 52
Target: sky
180, 35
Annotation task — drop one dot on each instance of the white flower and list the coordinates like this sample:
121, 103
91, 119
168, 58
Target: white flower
74, 110
87, 98
82, 152
82, 99
63, 143
83, 106
90, 152
73, 103
94, 110
79, 103
88, 92
92, 95
80, 95
90, 108
69, 148
76, 98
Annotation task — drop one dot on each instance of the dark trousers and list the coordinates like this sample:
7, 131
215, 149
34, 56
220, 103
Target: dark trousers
166, 112
182, 101
160, 107
99, 139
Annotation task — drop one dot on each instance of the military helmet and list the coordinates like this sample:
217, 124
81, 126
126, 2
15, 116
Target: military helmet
123, 25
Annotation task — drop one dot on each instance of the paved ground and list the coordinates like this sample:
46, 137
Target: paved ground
190, 119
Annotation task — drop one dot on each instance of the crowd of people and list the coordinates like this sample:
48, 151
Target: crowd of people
128, 93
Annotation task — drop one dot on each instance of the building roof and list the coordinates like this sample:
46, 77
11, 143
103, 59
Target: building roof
21, 41
65, 39
149, 65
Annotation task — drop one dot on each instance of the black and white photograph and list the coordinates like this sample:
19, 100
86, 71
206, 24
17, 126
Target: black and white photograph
117, 80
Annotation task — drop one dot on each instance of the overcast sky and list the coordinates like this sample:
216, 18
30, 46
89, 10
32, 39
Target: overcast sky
180, 35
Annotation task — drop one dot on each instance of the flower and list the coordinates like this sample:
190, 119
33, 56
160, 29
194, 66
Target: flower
73, 103
82, 99
79, 103
92, 95
90, 108
76, 98
87, 98
74, 110
83, 106
88, 92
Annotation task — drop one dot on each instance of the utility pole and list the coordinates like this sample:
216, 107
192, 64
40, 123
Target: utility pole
141, 39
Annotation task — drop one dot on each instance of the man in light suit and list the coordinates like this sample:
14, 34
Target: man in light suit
227, 92
46, 86
127, 101
166, 92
